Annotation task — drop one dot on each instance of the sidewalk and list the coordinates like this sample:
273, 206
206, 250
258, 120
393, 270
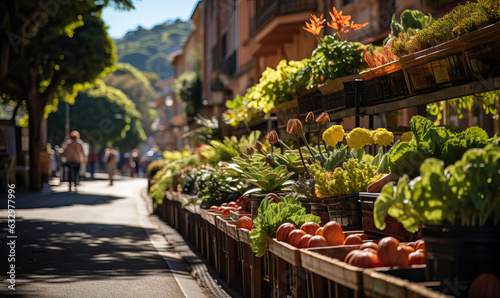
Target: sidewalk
98, 242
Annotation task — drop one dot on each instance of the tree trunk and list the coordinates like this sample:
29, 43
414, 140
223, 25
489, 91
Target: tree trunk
35, 111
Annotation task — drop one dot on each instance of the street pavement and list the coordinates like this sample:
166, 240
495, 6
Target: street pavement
98, 242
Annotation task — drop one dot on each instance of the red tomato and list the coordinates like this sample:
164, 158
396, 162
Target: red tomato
310, 228
369, 245
317, 241
304, 241
294, 237
388, 251
283, 231
419, 244
333, 233
245, 222
362, 258
352, 240
416, 257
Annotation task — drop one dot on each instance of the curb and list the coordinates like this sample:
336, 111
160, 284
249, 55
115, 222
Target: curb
200, 271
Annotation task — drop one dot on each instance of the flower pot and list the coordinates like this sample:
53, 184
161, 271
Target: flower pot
460, 254
437, 67
480, 49
384, 83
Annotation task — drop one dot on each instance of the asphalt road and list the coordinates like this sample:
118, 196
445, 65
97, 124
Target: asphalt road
98, 242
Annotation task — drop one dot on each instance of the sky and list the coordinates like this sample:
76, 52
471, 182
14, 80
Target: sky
147, 13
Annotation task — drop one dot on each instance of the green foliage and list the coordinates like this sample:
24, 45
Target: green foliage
148, 50
187, 87
459, 21
101, 114
275, 86
413, 19
166, 178
154, 167
271, 215
125, 68
208, 130
217, 188
353, 177
334, 59
466, 193
227, 148
267, 179
136, 86
431, 141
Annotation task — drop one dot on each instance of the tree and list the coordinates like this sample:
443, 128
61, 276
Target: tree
102, 114
188, 88
137, 88
48, 48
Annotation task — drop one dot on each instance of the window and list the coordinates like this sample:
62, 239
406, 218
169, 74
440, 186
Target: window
223, 44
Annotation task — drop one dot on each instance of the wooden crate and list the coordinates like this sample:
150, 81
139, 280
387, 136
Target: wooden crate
328, 263
397, 283
254, 284
286, 273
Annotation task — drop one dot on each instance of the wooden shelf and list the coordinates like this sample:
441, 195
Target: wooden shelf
475, 87
339, 115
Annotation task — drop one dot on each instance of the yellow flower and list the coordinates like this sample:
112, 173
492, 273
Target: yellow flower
383, 137
407, 136
359, 137
333, 135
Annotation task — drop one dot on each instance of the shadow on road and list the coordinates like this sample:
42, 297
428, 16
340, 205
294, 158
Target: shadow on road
63, 252
61, 199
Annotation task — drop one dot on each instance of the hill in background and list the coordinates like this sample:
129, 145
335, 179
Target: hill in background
148, 50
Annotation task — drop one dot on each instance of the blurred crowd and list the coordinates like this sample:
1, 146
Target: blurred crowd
133, 164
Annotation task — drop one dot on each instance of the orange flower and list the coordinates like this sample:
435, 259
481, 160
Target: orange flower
357, 26
342, 25
315, 26
338, 21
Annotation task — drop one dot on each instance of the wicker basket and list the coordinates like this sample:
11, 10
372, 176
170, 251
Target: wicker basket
310, 102
480, 49
441, 66
384, 83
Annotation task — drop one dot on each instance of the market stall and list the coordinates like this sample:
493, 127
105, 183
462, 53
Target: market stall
308, 212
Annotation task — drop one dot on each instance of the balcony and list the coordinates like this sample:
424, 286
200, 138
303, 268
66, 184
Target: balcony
273, 8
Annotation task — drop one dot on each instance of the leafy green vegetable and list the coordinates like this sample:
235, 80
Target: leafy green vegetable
465, 193
406, 159
271, 216
431, 141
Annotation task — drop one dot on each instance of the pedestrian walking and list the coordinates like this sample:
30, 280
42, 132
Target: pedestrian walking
111, 158
74, 156
92, 162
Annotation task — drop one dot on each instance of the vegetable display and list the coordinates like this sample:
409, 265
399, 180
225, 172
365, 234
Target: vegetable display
431, 141
271, 216
466, 193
